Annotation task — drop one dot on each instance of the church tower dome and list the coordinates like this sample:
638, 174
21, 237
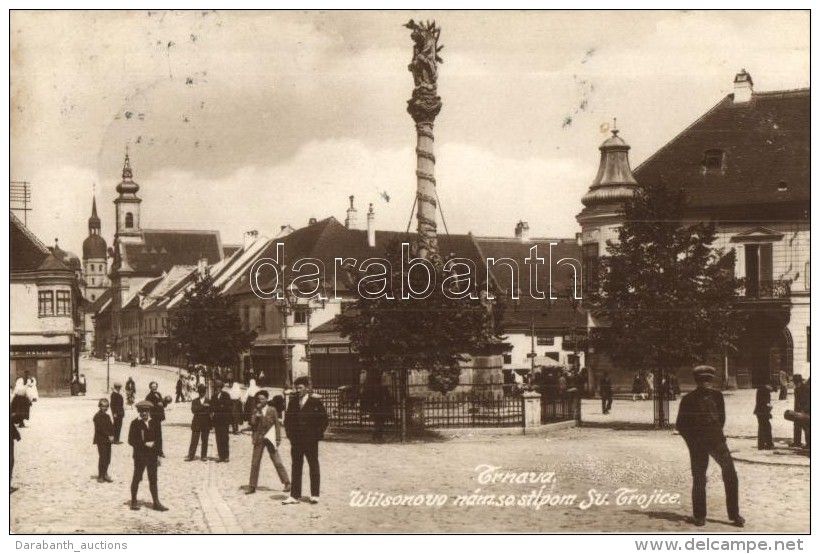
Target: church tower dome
127, 205
94, 246
614, 182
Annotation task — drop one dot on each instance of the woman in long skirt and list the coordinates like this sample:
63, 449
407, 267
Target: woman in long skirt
20, 404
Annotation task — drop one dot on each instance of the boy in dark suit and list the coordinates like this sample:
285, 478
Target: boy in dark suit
305, 425
145, 435
103, 434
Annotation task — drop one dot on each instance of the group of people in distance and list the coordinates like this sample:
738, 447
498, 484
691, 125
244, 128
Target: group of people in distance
763, 412
305, 422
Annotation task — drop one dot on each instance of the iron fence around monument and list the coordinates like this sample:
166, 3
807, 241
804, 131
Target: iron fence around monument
481, 405
558, 408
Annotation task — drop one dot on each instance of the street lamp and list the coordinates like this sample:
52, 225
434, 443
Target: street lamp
322, 302
287, 303
107, 366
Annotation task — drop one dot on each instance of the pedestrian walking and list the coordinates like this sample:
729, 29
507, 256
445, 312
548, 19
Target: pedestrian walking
649, 387
235, 392
250, 401
31, 390
267, 435
200, 424
145, 436
701, 417
83, 384
130, 391
638, 387
103, 435
117, 411
763, 412
605, 388
801, 399
221, 415
20, 404
180, 388
784, 384
305, 425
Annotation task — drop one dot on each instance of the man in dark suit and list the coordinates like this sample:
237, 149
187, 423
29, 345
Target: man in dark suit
221, 410
117, 411
305, 425
701, 417
158, 407
145, 435
605, 388
763, 411
180, 387
200, 424
800, 401
265, 419
103, 435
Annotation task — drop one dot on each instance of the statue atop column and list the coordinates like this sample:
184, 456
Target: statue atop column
425, 103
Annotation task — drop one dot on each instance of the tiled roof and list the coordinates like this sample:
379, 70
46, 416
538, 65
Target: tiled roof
167, 285
162, 249
27, 252
765, 144
327, 240
518, 315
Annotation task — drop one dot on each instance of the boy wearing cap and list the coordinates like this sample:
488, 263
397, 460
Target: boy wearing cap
701, 417
145, 435
117, 411
103, 434
264, 420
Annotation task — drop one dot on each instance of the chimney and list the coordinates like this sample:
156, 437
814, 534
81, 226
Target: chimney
743, 87
522, 231
352, 220
202, 267
249, 238
371, 227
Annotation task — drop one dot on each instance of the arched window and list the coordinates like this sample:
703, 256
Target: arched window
129, 220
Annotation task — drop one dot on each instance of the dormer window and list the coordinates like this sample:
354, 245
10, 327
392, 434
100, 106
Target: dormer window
713, 160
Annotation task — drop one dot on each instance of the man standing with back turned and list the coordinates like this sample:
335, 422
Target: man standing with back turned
701, 417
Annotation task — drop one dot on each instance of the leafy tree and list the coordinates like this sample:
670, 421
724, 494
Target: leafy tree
432, 333
208, 327
666, 295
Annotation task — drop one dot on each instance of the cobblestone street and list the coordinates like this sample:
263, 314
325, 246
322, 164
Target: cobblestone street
56, 463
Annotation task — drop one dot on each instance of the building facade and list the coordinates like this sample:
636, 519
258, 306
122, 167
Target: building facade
46, 322
744, 165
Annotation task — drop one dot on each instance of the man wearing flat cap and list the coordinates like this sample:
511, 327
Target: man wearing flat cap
145, 436
701, 417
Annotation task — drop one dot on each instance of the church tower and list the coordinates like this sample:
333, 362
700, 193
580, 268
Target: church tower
128, 206
95, 257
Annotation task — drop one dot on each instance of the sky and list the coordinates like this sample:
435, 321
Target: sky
253, 120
